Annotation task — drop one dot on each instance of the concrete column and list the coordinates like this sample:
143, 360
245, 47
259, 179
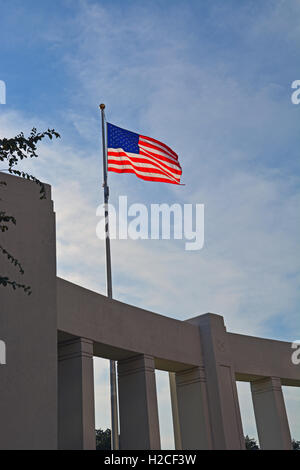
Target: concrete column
193, 413
270, 414
138, 403
224, 411
76, 410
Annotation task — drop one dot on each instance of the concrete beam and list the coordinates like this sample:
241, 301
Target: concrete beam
94, 316
255, 358
140, 331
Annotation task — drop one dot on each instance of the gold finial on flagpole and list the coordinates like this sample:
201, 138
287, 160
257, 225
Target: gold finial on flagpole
102, 106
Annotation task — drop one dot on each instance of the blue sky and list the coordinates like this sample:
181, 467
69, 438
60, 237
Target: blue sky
212, 80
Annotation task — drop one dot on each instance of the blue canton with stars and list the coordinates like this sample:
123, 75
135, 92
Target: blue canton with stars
121, 138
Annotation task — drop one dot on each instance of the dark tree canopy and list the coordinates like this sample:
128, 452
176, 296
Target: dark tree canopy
250, 443
103, 439
296, 444
12, 151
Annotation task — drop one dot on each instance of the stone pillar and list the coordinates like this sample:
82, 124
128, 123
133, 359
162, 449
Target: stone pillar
138, 403
193, 413
270, 414
224, 411
76, 410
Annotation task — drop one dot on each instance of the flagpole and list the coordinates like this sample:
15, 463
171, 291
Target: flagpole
113, 378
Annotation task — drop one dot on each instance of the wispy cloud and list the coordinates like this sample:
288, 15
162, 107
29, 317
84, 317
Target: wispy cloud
208, 81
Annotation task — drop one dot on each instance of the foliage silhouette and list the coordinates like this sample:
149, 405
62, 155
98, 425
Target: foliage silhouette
12, 151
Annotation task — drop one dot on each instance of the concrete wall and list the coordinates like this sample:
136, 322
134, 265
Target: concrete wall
78, 323
28, 324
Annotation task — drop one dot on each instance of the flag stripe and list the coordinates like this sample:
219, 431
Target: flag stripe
145, 157
118, 157
147, 167
143, 176
156, 149
159, 157
161, 144
141, 169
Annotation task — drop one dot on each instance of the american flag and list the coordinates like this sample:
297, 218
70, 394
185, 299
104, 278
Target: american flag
148, 158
